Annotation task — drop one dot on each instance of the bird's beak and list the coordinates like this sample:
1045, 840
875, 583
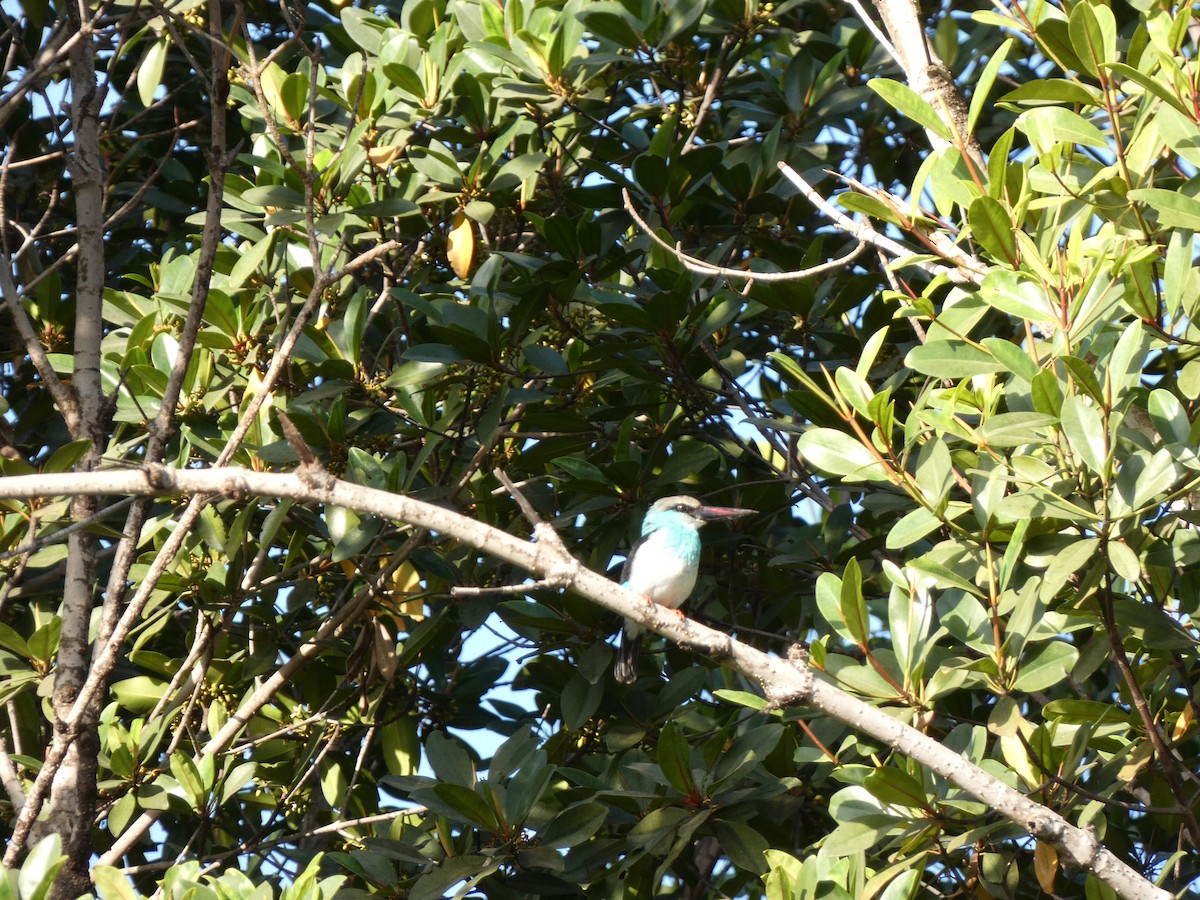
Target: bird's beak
712, 513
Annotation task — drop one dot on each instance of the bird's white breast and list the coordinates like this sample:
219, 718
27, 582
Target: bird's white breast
659, 571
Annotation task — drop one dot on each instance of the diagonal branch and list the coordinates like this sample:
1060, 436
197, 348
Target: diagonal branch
964, 269
784, 682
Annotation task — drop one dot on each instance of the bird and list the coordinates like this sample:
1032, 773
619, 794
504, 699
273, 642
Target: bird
662, 565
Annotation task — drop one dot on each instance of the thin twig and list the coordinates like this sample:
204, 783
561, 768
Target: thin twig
249, 847
63, 533
700, 267
866, 232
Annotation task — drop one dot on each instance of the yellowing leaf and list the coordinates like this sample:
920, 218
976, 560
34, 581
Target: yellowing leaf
1045, 864
460, 248
406, 581
1136, 760
382, 157
385, 651
1183, 723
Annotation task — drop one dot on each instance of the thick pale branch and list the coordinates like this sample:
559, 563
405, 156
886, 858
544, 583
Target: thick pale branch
782, 681
926, 73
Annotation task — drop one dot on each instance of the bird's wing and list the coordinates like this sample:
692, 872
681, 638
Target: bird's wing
629, 558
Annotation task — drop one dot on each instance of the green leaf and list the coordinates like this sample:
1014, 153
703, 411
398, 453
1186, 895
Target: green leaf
852, 604
40, 868
43, 643
1053, 91
943, 576
1046, 393
1124, 561
910, 103
401, 746
934, 471
278, 196
1093, 31
240, 776
673, 756
1169, 416
895, 788
1085, 432
1017, 295
839, 454
1016, 428
829, 603
62, 459
364, 28
744, 846
992, 226
951, 359
1180, 132
1153, 85
1124, 369
1049, 126
449, 760
855, 389
111, 884
911, 528
870, 353
983, 85
615, 28
1173, 209
293, 93
188, 776
433, 353
573, 826
581, 469
1014, 358
1144, 480
580, 699
390, 208
1083, 376
11, 640
150, 72
1045, 666
468, 805
1030, 504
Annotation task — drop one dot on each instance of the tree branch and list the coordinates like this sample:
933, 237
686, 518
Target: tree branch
700, 267
784, 682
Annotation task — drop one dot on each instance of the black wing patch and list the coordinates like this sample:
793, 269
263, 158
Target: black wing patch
629, 559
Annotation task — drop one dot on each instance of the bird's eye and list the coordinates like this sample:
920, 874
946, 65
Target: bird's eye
682, 507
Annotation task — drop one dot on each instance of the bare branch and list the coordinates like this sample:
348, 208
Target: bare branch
865, 232
700, 267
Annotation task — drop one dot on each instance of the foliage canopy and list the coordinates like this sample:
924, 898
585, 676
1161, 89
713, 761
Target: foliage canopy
416, 232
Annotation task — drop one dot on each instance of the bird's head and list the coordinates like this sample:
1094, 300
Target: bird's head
687, 512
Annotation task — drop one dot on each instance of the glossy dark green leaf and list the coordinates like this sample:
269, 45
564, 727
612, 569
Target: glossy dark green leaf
674, 758
992, 226
573, 826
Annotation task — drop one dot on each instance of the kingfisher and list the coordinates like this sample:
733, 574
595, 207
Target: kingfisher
662, 565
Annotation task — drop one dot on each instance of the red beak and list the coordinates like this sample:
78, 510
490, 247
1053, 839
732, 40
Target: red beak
711, 513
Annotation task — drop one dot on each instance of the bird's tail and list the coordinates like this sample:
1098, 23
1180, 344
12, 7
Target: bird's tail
625, 668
